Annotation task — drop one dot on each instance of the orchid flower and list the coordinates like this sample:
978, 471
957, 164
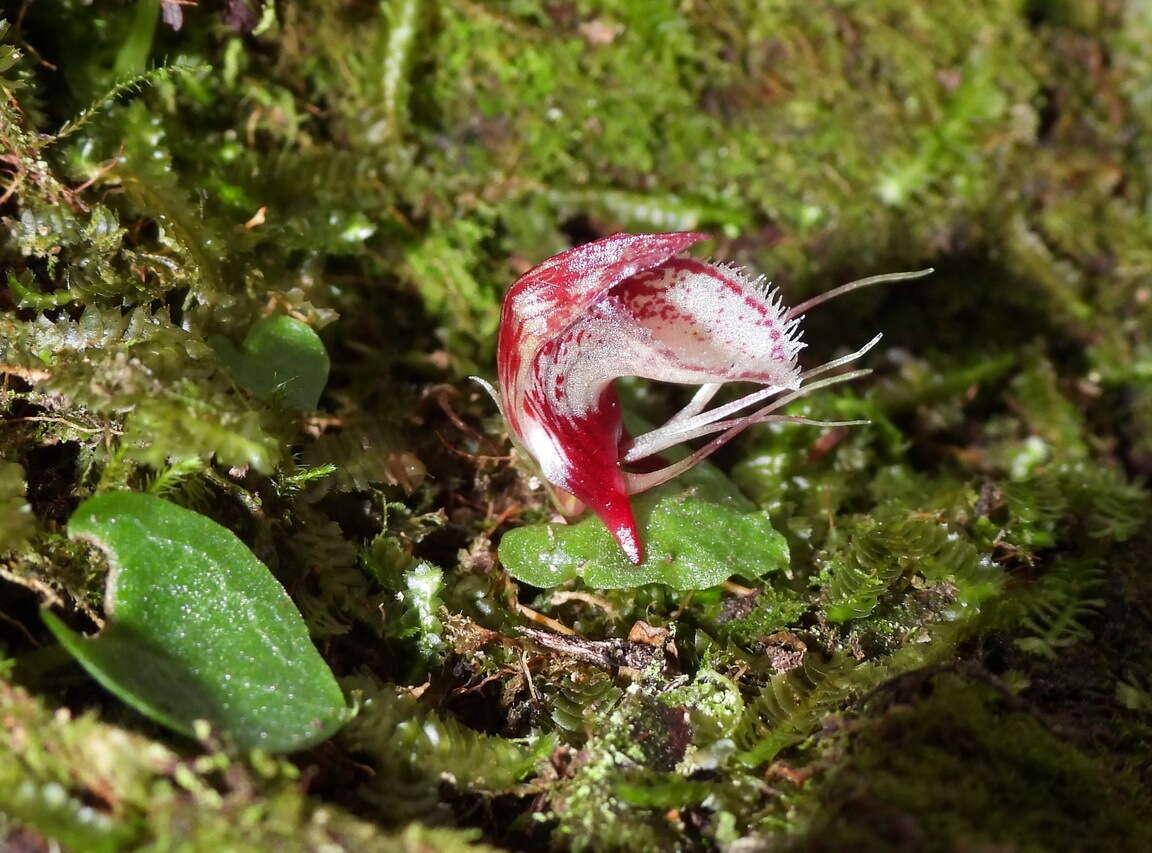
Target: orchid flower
626, 305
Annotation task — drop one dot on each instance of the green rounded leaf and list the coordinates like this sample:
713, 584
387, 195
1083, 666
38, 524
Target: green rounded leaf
199, 629
280, 357
692, 543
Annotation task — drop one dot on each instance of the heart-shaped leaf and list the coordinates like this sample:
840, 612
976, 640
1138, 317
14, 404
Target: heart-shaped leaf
280, 357
199, 629
694, 542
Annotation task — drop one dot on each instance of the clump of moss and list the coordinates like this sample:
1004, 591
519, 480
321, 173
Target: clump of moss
945, 760
98, 787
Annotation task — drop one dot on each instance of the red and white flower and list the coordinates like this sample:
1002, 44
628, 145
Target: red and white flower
626, 305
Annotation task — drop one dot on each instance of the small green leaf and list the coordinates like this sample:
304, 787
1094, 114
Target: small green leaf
691, 543
422, 617
281, 357
199, 629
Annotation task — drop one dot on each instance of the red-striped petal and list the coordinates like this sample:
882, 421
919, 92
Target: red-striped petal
625, 306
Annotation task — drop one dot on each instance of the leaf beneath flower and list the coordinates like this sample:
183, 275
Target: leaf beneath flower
697, 538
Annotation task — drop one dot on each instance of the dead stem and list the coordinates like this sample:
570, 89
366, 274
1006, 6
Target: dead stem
547, 621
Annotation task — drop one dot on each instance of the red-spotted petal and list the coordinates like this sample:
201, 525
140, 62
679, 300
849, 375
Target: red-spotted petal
624, 306
695, 323
574, 438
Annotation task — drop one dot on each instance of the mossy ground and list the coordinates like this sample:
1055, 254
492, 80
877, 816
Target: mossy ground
958, 657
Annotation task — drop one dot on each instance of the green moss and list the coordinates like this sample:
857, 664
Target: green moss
381, 172
412, 751
966, 764
96, 786
16, 519
773, 610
